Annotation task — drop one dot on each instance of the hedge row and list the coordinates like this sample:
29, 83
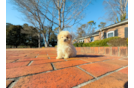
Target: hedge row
112, 41
10, 46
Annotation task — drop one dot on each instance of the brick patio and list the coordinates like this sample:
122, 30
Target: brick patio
38, 68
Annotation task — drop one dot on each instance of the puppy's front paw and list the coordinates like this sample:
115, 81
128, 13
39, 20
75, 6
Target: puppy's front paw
66, 57
58, 58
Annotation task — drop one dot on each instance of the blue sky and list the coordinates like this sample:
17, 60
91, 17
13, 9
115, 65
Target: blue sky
95, 12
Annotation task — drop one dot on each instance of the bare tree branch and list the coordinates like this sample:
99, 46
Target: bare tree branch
61, 13
116, 9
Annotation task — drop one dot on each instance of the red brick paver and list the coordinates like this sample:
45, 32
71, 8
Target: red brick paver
39, 68
9, 61
115, 80
46, 61
68, 63
94, 59
8, 82
16, 64
65, 78
32, 59
125, 70
21, 71
98, 69
117, 62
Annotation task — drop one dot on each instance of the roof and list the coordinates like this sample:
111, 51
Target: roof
97, 32
90, 35
113, 25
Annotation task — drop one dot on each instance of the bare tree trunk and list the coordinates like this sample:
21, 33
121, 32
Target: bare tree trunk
49, 36
39, 40
48, 43
44, 38
59, 21
63, 5
59, 13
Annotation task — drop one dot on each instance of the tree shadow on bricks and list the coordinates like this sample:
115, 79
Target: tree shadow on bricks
126, 85
89, 55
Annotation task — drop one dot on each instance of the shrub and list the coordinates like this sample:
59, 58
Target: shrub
75, 44
118, 42
85, 44
21, 46
97, 43
127, 41
80, 44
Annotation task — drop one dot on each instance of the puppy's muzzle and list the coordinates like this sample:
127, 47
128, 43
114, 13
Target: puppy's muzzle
65, 40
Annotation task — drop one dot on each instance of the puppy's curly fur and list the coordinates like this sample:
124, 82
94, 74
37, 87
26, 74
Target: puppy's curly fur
65, 48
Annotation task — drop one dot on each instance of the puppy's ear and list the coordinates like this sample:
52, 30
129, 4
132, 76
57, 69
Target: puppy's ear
70, 36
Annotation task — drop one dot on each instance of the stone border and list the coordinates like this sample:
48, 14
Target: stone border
111, 51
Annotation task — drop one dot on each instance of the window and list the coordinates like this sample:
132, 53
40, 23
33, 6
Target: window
91, 39
116, 32
110, 34
105, 35
81, 41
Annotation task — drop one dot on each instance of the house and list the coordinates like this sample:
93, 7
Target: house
119, 29
74, 40
92, 37
89, 38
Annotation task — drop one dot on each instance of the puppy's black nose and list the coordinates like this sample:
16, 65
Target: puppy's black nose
65, 40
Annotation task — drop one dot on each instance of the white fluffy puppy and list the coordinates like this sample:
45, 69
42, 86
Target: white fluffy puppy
65, 48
